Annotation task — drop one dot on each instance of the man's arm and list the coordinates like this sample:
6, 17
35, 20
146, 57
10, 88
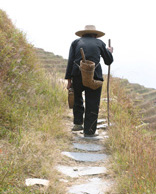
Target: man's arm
69, 84
106, 54
110, 49
70, 62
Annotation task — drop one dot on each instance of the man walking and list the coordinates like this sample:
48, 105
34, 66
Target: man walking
94, 48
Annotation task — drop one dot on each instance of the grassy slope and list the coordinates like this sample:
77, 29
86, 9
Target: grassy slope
133, 148
31, 108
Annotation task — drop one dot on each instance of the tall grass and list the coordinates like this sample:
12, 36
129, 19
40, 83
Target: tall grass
134, 149
32, 105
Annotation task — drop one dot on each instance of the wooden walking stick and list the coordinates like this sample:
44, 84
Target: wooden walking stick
108, 78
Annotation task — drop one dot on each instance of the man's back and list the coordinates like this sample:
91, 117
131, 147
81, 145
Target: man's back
92, 49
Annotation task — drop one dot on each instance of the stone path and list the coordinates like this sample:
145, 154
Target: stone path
86, 170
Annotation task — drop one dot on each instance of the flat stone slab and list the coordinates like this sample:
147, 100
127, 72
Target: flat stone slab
79, 137
85, 157
102, 126
101, 121
93, 186
81, 171
88, 147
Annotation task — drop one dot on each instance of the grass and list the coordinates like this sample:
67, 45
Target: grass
32, 104
133, 149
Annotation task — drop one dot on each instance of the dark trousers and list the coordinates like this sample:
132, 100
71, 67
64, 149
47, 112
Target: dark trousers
91, 110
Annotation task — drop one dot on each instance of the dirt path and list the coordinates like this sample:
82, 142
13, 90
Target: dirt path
84, 166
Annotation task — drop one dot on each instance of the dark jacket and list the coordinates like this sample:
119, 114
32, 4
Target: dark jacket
93, 49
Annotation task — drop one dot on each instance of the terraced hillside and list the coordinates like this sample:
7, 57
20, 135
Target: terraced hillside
50, 61
145, 99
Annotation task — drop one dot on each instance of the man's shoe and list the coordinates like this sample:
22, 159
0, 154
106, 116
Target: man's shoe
92, 135
77, 128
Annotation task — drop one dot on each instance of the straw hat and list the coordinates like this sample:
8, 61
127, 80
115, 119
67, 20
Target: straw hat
90, 29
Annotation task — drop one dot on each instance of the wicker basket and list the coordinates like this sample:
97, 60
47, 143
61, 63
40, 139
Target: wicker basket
87, 72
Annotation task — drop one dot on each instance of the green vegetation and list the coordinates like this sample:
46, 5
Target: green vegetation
32, 104
133, 145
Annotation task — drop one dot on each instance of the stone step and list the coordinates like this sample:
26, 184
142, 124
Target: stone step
92, 186
81, 137
88, 147
102, 126
99, 121
86, 157
81, 171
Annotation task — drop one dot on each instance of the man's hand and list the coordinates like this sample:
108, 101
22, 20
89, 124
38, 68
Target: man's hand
110, 49
69, 84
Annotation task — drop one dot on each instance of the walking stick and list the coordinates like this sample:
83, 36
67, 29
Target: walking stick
108, 78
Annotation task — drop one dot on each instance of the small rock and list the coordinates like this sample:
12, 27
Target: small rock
36, 181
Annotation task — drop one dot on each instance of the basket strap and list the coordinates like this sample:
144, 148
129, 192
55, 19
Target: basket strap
76, 64
95, 65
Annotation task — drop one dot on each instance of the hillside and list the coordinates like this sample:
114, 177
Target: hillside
31, 109
145, 100
51, 62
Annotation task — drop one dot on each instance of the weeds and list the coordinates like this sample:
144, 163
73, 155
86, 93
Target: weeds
133, 148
